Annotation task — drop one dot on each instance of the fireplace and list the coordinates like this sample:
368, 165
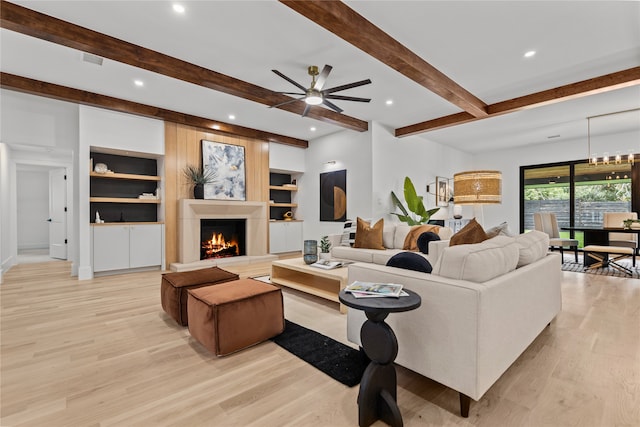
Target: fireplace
222, 238
192, 211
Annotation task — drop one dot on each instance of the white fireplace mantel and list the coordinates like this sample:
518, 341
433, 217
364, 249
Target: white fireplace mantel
191, 211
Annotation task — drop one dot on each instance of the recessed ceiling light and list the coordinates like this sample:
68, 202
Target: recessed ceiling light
232, 117
389, 102
529, 54
178, 8
312, 129
138, 83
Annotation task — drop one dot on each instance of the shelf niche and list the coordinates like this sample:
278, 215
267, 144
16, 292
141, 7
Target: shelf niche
280, 195
132, 176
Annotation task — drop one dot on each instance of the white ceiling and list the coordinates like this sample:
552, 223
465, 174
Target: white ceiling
478, 44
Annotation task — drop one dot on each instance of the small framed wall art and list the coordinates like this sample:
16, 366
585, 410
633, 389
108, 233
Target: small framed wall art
442, 191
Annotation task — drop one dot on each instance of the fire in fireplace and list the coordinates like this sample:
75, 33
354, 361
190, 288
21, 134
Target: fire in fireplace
222, 238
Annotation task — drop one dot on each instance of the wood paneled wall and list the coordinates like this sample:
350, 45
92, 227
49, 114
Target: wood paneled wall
182, 147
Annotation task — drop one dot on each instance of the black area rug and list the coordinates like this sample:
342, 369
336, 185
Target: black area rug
578, 267
339, 361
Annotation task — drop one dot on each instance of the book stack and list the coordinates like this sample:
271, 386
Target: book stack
375, 290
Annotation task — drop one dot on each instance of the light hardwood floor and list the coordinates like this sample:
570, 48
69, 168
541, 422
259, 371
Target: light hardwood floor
103, 353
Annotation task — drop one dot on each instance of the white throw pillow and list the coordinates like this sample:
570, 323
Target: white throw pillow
388, 233
348, 233
533, 246
401, 233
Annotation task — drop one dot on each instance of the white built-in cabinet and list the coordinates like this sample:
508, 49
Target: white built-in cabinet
285, 236
126, 246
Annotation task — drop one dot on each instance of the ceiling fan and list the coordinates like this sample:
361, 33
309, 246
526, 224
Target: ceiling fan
315, 95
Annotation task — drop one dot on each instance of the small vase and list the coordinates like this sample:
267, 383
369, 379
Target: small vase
325, 256
310, 252
198, 191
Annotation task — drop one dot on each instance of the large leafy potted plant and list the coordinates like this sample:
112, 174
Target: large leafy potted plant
198, 178
414, 204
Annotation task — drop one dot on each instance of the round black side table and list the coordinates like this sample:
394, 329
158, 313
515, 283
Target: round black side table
377, 399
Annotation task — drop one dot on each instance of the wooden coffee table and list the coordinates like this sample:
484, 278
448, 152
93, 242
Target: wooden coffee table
294, 273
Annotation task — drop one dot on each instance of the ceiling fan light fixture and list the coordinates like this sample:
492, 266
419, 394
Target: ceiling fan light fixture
314, 97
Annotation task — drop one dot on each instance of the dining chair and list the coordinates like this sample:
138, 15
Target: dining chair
547, 223
614, 219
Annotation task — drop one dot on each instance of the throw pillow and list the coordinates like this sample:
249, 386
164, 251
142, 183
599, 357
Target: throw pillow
410, 261
367, 236
499, 230
470, 233
424, 239
348, 233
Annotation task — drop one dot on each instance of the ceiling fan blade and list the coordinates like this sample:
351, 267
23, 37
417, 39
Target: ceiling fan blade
292, 93
347, 86
347, 98
298, 85
306, 110
322, 78
286, 102
334, 107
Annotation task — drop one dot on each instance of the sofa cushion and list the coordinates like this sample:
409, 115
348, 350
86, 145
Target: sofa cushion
533, 246
470, 233
424, 239
410, 261
352, 254
478, 262
369, 236
348, 233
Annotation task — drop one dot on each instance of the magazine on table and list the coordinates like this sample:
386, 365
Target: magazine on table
329, 265
377, 289
363, 295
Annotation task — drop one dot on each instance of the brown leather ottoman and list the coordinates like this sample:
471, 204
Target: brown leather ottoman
231, 316
173, 289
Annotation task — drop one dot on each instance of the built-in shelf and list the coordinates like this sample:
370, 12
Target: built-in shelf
285, 220
125, 176
282, 188
121, 200
284, 205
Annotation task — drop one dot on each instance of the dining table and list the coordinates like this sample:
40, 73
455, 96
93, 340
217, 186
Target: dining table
598, 235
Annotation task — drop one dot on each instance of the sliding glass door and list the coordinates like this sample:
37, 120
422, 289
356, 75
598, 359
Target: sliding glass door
577, 192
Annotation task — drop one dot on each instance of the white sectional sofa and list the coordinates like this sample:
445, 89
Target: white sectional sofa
393, 236
482, 306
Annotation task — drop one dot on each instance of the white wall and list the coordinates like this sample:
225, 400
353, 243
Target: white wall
419, 159
376, 163
352, 151
286, 158
33, 204
121, 131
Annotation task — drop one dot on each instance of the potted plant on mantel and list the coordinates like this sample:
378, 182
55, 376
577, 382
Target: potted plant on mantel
198, 178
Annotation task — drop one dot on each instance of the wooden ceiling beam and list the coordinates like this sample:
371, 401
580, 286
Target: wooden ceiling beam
601, 84
352, 27
63, 93
26, 21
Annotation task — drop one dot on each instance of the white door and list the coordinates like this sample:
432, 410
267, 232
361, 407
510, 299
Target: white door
58, 214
